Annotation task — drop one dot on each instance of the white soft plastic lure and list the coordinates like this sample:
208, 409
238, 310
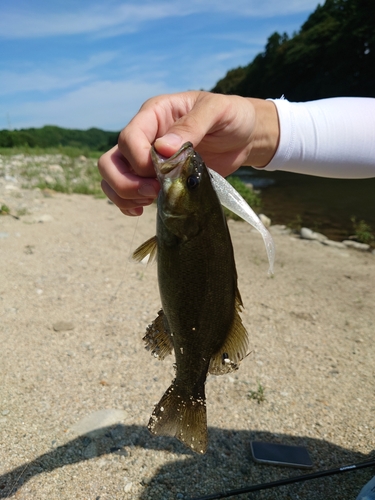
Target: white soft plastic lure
232, 200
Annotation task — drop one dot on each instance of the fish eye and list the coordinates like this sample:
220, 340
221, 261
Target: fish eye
192, 181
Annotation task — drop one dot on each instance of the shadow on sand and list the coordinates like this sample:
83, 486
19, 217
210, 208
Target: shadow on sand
188, 477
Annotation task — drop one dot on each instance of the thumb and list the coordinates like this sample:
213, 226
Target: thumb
192, 126
169, 144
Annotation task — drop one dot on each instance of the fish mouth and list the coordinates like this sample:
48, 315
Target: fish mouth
173, 166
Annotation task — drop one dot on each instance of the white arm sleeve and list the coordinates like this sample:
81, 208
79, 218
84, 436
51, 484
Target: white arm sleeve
330, 137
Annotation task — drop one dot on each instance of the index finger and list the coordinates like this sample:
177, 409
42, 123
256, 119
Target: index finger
154, 119
120, 176
135, 142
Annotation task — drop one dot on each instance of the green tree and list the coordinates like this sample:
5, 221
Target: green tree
333, 54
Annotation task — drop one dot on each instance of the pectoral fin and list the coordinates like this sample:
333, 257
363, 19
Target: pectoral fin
149, 247
158, 339
234, 349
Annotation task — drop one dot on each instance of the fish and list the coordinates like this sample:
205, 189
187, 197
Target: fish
200, 317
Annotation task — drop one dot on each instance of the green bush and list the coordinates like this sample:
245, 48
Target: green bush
362, 231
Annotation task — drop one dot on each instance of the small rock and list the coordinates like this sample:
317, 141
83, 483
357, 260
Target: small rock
82, 158
44, 218
56, 168
333, 244
280, 229
62, 326
309, 234
49, 180
11, 187
355, 244
3, 236
265, 220
128, 487
5, 412
10, 178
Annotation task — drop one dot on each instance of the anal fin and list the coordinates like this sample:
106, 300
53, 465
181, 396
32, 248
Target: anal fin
234, 349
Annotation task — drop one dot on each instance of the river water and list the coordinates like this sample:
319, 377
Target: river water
322, 204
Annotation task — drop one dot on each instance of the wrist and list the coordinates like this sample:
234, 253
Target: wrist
265, 137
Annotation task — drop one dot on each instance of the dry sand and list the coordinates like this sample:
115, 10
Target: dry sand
311, 331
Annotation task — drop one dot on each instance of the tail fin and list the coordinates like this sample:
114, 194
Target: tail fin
182, 416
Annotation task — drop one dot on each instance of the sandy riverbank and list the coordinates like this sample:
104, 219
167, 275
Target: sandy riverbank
311, 331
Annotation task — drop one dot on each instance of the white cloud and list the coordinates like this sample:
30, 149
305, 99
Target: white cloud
113, 18
94, 18
107, 105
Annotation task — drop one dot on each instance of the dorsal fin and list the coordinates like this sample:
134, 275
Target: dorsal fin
234, 349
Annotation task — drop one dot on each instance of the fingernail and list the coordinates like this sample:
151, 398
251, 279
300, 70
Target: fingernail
133, 211
173, 140
147, 190
143, 202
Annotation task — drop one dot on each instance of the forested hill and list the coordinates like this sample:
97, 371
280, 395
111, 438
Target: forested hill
333, 54
51, 136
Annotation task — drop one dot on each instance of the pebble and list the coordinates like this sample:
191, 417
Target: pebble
355, 244
56, 168
309, 234
333, 244
43, 218
62, 326
11, 187
128, 487
265, 220
3, 236
49, 179
10, 178
280, 229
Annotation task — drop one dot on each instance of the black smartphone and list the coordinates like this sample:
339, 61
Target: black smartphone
281, 454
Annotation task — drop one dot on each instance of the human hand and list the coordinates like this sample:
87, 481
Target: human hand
227, 131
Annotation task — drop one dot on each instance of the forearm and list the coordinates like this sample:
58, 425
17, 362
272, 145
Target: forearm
329, 137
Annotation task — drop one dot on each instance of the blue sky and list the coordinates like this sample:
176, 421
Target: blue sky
88, 63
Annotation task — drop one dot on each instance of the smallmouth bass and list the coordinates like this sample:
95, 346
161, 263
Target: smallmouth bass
197, 278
